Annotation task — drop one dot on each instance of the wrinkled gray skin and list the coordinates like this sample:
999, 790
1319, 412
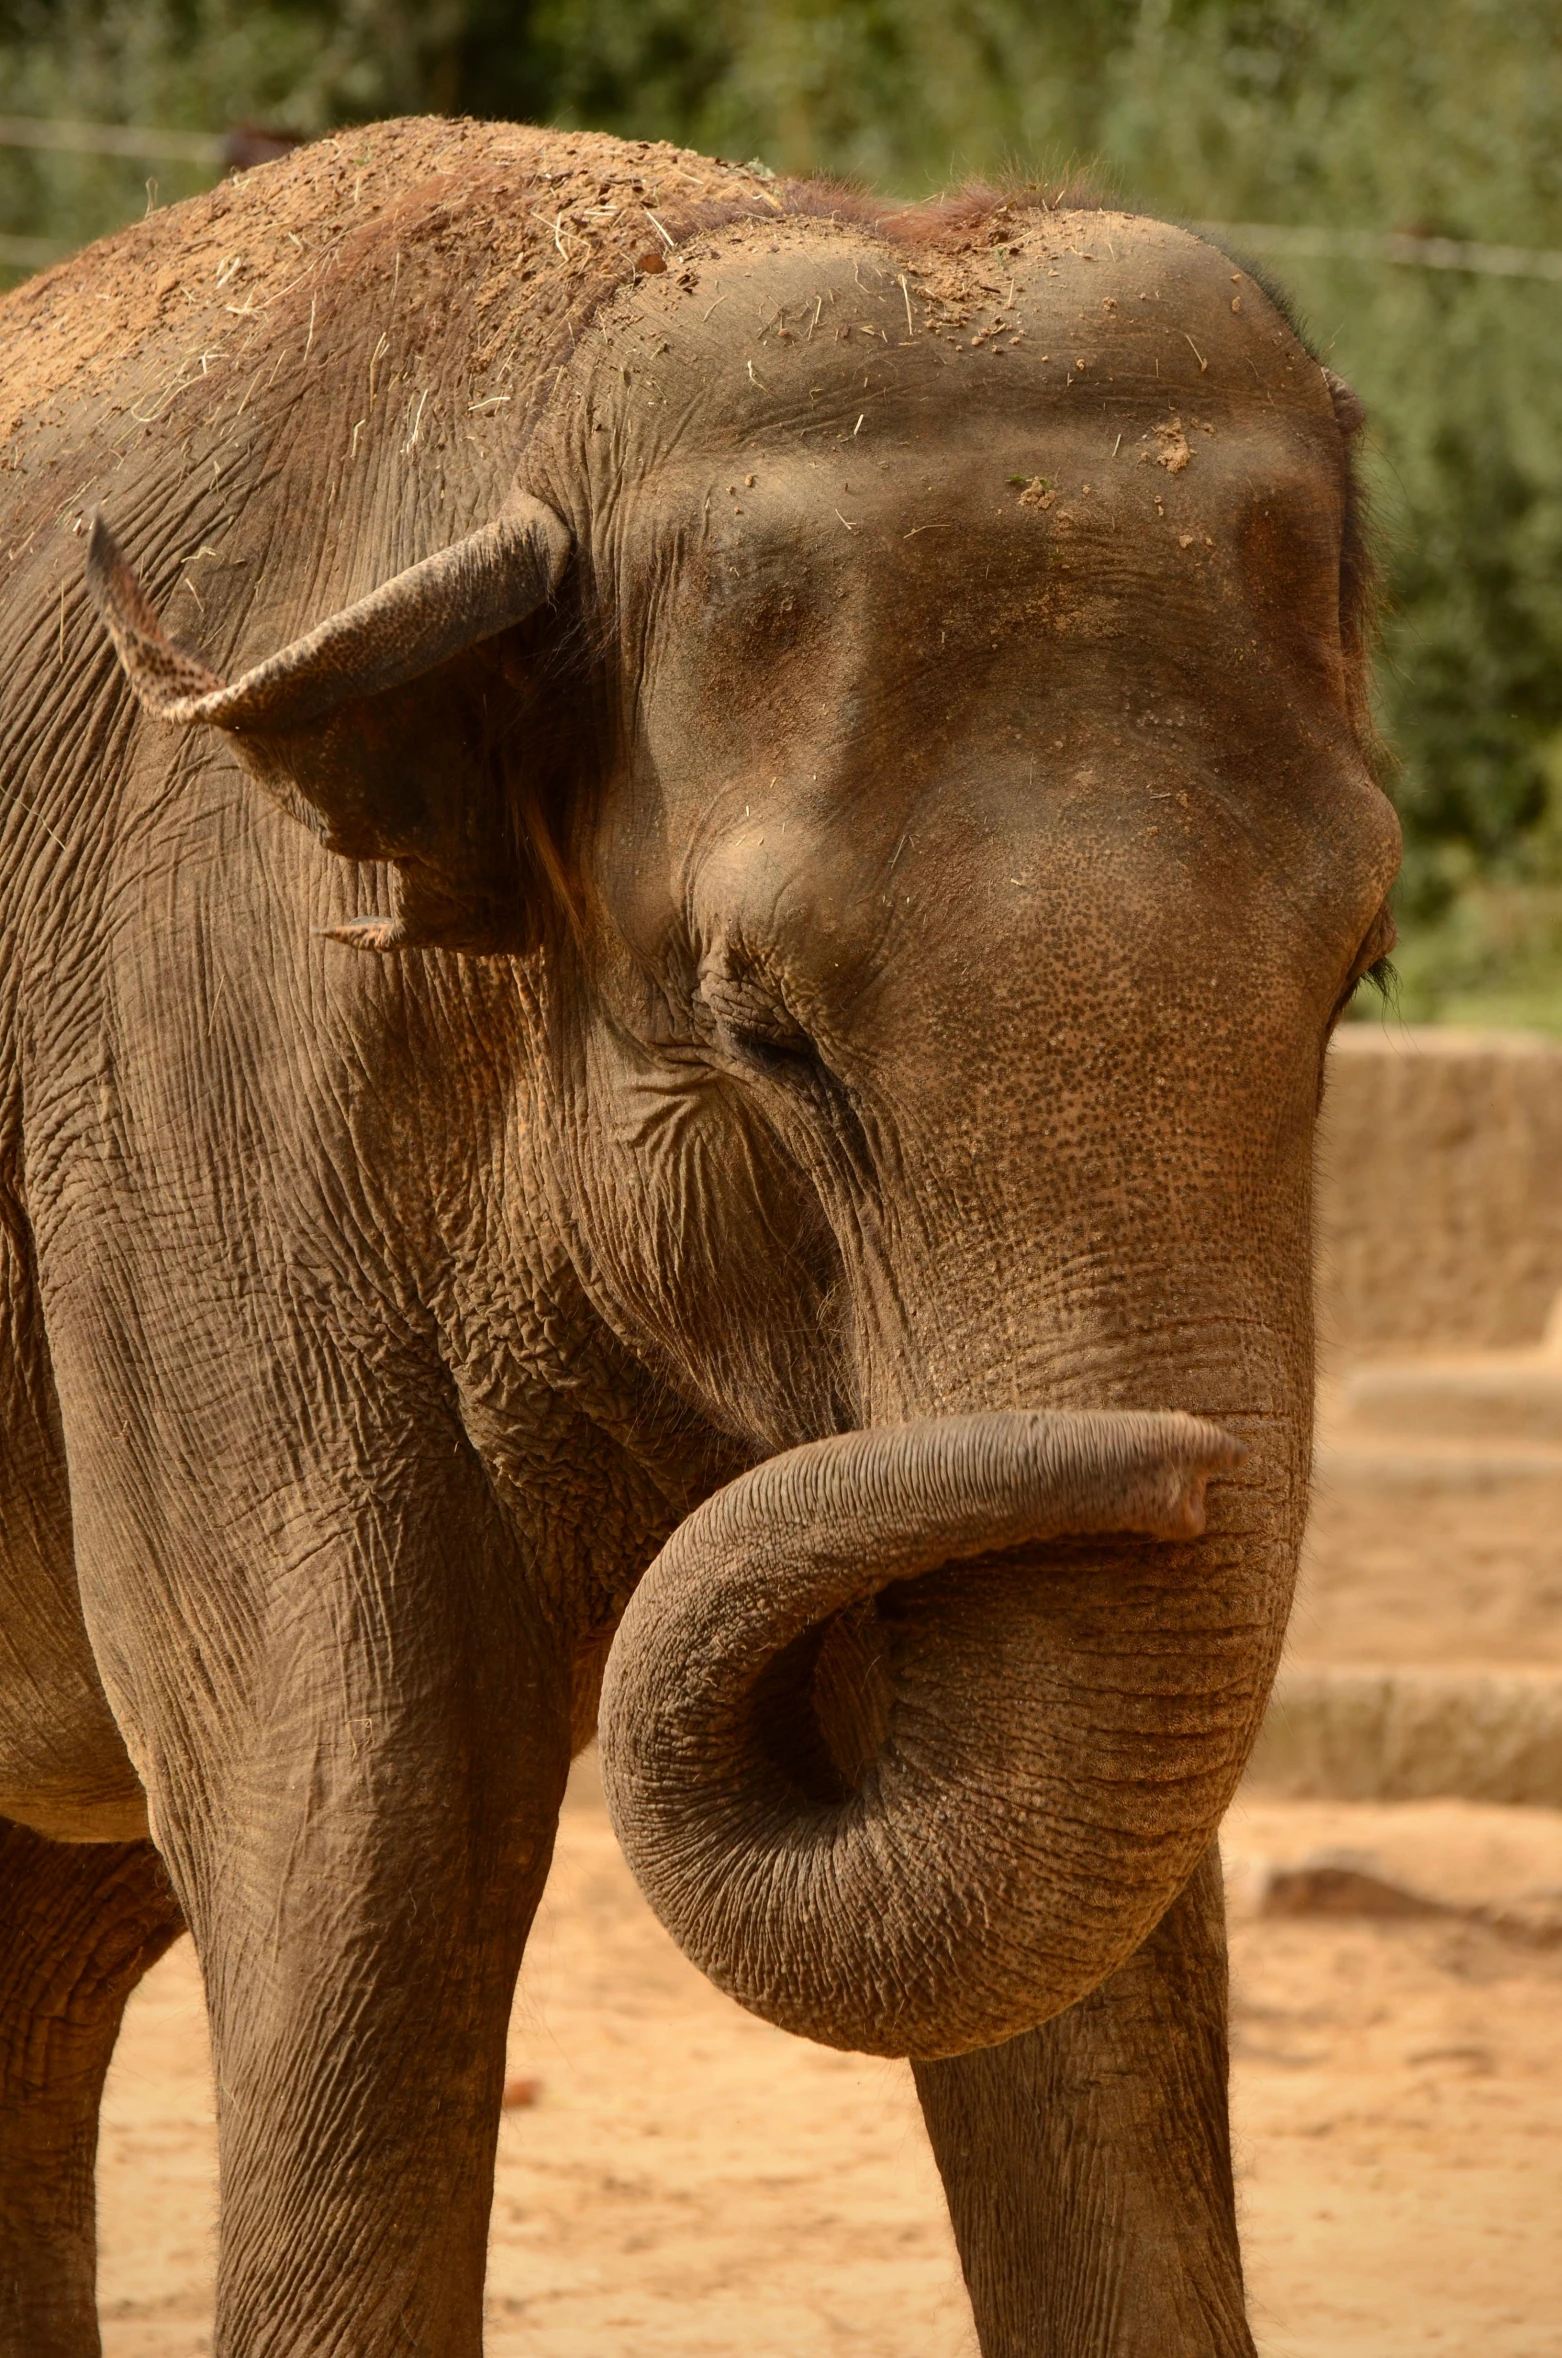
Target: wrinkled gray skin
963, 889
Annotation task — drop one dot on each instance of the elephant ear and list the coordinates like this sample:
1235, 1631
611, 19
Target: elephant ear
371, 729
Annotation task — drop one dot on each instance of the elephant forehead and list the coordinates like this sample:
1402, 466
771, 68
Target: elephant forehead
850, 586
1082, 417
1084, 541
807, 334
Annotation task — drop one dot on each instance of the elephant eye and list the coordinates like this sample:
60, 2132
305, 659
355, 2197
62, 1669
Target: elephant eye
776, 1056
749, 1018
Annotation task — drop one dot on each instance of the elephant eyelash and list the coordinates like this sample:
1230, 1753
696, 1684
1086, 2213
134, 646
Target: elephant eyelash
1375, 966
1381, 976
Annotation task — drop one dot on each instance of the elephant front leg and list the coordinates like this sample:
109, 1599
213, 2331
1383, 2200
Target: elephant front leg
1088, 2164
360, 1965
79, 1925
360, 1834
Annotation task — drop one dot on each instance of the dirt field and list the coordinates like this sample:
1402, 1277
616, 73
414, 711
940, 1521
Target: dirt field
689, 2181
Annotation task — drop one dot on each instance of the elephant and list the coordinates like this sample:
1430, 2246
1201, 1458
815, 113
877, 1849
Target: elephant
678, 852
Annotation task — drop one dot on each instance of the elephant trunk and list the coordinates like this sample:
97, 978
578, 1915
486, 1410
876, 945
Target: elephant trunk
1027, 1809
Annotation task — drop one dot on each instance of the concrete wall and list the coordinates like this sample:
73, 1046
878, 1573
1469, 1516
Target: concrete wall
1439, 1205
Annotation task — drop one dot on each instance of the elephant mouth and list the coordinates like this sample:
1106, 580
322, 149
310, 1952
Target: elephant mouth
910, 1735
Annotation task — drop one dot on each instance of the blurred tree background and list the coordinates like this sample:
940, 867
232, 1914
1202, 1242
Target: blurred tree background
1433, 117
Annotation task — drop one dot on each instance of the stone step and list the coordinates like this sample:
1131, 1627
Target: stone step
1503, 1400
1439, 1217
1474, 1861
1431, 1469
1360, 1733
1427, 1556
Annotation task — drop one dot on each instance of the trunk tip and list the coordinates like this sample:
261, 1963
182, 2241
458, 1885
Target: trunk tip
1209, 1450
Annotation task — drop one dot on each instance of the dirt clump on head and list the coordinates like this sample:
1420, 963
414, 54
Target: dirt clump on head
528, 227
530, 230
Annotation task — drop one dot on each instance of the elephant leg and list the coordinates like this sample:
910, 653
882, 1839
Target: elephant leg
349, 1709
360, 1832
360, 1947
79, 1925
1088, 2164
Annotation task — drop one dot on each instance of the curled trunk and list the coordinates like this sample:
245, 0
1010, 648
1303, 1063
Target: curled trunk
1021, 1814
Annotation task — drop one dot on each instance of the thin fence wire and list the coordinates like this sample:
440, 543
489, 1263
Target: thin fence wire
29, 253
111, 139
214, 152
148, 144
1372, 245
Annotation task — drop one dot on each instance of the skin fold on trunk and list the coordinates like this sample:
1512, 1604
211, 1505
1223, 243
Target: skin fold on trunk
969, 1881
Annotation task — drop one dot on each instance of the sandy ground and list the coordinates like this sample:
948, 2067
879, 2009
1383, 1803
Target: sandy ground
690, 2181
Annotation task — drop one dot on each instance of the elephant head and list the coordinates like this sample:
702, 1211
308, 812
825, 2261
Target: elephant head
959, 842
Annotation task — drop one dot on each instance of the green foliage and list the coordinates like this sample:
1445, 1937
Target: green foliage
1361, 116
1438, 117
